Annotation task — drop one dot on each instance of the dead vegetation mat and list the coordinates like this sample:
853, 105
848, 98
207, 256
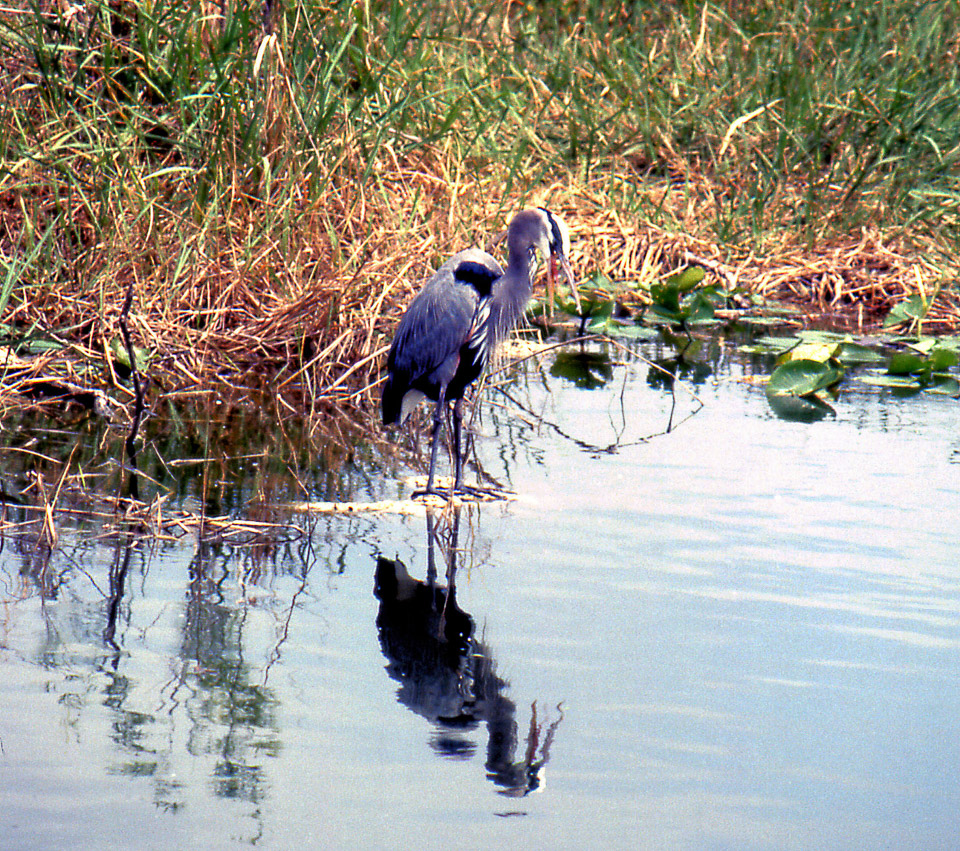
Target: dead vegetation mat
309, 319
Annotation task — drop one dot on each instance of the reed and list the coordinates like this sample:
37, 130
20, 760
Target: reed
275, 179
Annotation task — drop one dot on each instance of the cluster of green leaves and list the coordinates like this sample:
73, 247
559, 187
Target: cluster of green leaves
806, 376
923, 366
911, 312
676, 301
812, 365
681, 301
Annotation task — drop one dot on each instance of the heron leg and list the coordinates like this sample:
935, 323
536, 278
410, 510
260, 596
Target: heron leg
435, 440
457, 459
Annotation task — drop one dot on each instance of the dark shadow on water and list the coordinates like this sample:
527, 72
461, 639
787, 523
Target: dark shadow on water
587, 370
687, 363
799, 409
447, 674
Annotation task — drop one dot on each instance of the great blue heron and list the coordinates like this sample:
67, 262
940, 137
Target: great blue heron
470, 304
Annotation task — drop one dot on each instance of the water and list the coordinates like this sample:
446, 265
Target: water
744, 633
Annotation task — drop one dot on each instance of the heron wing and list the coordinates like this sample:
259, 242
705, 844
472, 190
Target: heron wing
425, 354
443, 315
433, 328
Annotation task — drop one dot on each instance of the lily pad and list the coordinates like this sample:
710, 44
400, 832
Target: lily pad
630, 331
666, 297
942, 358
944, 385
910, 309
818, 336
904, 363
599, 312
814, 351
758, 320
898, 381
689, 278
659, 313
122, 357
952, 343
802, 378
771, 345
699, 309
855, 353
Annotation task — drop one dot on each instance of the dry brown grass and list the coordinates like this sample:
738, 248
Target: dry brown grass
226, 306
312, 320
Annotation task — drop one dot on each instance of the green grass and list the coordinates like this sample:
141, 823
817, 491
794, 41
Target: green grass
142, 139
862, 118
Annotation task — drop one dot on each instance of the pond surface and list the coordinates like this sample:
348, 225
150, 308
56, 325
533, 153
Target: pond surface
743, 633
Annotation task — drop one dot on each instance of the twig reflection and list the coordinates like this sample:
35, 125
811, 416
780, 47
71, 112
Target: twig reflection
662, 374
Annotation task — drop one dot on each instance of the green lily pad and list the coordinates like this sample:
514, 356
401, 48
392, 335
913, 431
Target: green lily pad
659, 313
772, 345
759, 320
898, 381
122, 357
600, 313
689, 278
781, 308
942, 358
630, 331
952, 343
905, 363
666, 296
855, 353
944, 385
909, 310
802, 378
699, 308
817, 336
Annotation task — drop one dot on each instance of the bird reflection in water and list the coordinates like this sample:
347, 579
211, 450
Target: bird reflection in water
448, 675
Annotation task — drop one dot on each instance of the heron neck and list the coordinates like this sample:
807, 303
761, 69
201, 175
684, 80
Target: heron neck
511, 293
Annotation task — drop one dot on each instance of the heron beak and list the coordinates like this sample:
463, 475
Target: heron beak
551, 283
568, 274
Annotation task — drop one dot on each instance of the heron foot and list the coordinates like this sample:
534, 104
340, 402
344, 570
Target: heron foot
440, 493
464, 492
